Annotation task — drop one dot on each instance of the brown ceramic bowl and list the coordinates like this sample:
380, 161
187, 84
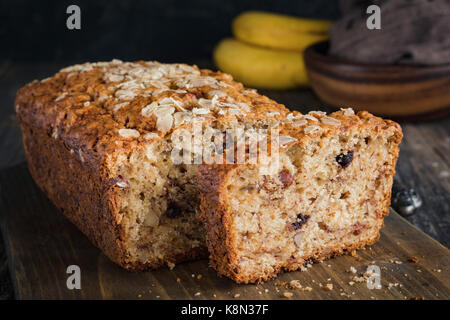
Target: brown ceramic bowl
396, 91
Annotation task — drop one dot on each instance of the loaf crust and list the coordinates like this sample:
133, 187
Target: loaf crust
79, 123
217, 213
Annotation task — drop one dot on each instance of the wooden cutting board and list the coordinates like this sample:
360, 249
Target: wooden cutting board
41, 244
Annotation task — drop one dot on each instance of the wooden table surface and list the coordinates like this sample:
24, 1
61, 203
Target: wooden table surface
424, 162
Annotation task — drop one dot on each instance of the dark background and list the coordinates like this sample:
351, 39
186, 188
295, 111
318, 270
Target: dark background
164, 30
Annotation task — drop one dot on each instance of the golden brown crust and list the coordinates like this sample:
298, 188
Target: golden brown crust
76, 124
214, 215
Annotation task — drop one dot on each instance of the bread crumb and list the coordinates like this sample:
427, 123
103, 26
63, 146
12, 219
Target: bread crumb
295, 284
171, 265
139, 296
353, 269
237, 295
328, 287
197, 294
392, 285
359, 279
199, 276
414, 260
303, 269
288, 294
178, 280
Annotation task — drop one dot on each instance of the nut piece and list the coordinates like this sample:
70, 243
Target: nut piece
129, 133
330, 121
298, 238
312, 129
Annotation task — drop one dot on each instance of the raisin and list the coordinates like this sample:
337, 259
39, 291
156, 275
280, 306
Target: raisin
286, 178
344, 160
173, 210
301, 220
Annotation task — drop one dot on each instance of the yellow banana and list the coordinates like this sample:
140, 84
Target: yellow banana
260, 67
279, 31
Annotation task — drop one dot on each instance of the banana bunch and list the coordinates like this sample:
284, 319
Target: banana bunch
267, 51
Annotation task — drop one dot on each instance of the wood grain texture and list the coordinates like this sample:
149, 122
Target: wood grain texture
41, 244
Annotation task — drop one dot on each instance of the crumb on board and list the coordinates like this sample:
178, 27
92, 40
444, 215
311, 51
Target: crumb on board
197, 294
414, 259
393, 285
358, 279
237, 295
288, 294
328, 287
295, 284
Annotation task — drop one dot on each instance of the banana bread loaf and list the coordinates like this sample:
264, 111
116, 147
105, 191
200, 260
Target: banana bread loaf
328, 194
97, 137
